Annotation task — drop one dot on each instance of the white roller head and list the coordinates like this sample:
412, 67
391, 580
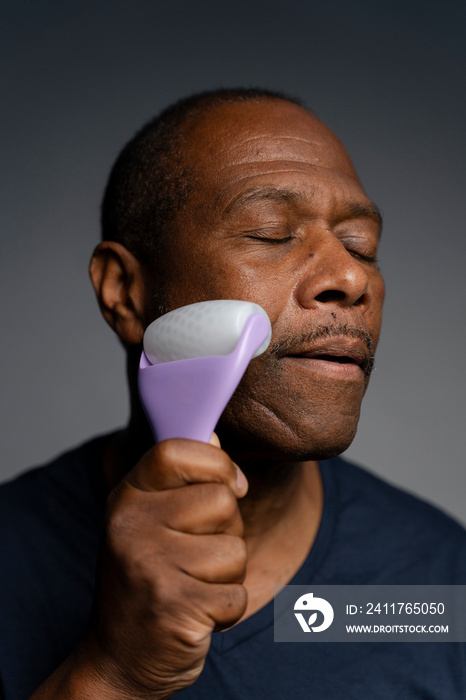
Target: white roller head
199, 330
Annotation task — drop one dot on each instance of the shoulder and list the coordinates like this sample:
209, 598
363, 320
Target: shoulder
57, 491
395, 530
358, 485
50, 523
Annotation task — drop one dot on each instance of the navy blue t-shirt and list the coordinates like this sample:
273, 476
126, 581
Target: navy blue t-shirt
371, 533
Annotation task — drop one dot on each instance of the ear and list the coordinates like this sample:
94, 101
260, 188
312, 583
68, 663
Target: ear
119, 283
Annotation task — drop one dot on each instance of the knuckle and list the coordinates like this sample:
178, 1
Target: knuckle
231, 548
231, 558
225, 501
165, 451
121, 518
238, 560
190, 634
239, 551
167, 594
165, 458
139, 571
233, 598
226, 465
118, 526
177, 609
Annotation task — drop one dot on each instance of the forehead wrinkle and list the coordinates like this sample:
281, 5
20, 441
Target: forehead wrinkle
276, 139
257, 167
300, 157
217, 199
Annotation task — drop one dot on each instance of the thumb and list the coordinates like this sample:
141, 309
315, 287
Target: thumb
241, 481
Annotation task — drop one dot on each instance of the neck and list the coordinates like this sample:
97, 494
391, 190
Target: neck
281, 515
274, 490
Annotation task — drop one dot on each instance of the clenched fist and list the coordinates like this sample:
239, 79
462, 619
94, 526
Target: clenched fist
171, 569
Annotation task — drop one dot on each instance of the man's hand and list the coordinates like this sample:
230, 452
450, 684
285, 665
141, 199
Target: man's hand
171, 569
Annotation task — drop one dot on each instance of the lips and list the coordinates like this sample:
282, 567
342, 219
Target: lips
342, 355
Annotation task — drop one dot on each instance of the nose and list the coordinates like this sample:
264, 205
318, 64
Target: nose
333, 275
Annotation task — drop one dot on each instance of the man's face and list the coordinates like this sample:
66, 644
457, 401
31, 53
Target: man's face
278, 216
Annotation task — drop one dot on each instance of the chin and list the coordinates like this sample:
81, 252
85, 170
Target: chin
324, 436
313, 438
315, 445
324, 449
286, 419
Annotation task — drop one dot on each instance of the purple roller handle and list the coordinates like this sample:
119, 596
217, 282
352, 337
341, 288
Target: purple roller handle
185, 398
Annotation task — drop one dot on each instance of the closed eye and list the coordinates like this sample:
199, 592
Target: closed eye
282, 234
365, 258
268, 239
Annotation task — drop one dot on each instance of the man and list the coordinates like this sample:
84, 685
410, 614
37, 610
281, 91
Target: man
236, 195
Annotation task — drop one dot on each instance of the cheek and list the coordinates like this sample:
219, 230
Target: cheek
194, 277
267, 283
223, 274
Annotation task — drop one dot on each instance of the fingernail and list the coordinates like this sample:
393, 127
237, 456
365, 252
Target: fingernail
214, 440
241, 480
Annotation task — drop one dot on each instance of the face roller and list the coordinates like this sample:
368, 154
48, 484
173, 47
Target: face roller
194, 358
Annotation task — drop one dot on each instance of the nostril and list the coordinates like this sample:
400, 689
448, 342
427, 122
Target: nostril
360, 301
331, 295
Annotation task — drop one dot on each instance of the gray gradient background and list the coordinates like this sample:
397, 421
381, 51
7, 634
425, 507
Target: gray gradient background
78, 78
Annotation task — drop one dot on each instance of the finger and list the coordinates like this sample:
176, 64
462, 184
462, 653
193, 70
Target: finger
213, 559
241, 480
199, 509
209, 508
177, 462
223, 603
196, 605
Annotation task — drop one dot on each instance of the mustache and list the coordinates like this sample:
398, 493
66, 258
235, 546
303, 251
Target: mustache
293, 344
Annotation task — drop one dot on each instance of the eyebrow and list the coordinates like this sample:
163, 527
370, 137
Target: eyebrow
258, 194
352, 210
369, 210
